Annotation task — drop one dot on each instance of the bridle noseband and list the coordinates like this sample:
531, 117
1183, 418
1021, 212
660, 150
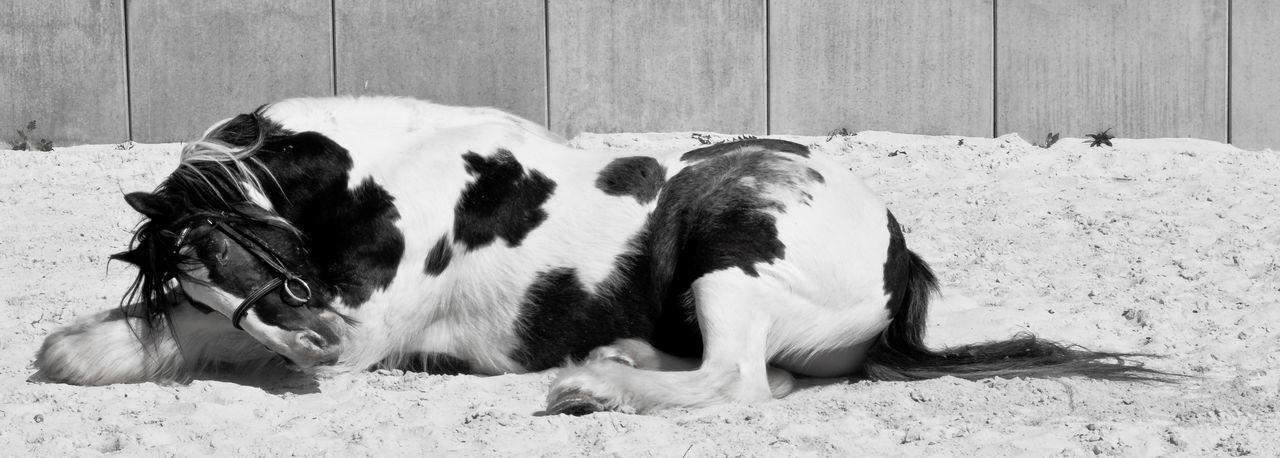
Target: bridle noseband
296, 290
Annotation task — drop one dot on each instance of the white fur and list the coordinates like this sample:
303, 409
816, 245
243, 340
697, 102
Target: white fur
379, 131
117, 346
833, 280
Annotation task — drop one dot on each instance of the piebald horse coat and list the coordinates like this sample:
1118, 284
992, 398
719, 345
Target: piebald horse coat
455, 239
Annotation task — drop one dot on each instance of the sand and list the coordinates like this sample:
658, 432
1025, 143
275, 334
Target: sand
1165, 246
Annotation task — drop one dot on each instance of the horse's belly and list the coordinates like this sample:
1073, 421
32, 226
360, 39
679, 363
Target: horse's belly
837, 362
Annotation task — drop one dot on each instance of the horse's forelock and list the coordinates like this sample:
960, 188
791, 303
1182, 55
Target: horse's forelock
157, 267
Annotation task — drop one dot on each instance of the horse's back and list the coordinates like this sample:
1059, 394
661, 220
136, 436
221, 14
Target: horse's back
357, 120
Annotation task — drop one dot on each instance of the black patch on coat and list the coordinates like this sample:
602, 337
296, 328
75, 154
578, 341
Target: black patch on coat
366, 244
350, 233
760, 144
504, 201
711, 216
639, 177
439, 256
715, 221
560, 319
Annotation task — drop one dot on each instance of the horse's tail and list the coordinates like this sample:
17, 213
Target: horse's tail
900, 353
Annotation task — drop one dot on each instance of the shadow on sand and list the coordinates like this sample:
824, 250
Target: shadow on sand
273, 376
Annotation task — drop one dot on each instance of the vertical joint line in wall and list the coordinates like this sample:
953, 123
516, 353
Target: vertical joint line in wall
995, 69
768, 73
333, 45
1230, 12
128, 82
546, 62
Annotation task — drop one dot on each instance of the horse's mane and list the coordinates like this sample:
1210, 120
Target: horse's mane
218, 177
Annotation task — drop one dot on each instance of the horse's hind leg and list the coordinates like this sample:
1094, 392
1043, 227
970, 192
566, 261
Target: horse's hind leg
735, 367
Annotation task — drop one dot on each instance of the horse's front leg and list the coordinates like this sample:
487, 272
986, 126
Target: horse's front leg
640, 355
118, 346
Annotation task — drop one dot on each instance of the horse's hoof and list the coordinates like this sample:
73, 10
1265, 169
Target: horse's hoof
575, 404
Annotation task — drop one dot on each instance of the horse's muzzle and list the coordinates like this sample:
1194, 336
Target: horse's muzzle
310, 349
319, 346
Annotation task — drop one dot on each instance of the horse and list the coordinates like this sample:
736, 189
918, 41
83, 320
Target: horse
357, 233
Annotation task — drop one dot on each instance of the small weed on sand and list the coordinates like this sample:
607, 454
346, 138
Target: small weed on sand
708, 139
1049, 140
23, 143
841, 132
1100, 138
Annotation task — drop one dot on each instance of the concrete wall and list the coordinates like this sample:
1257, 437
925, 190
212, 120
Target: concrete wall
162, 70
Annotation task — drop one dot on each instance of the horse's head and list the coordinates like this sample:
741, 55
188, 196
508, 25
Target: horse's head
240, 260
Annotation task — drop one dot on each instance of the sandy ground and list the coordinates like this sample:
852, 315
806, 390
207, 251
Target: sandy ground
1160, 246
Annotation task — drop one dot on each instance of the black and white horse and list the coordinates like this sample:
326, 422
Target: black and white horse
384, 232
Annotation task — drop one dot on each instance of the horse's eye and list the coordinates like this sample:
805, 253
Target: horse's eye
221, 254
216, 248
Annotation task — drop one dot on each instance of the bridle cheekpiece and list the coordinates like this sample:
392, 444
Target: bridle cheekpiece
296, 290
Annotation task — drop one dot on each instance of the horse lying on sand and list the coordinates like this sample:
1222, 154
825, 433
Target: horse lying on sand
385, 232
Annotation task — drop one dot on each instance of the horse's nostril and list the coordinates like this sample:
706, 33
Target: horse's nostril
312, 339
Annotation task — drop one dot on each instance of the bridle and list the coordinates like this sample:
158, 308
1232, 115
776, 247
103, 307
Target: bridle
296, 290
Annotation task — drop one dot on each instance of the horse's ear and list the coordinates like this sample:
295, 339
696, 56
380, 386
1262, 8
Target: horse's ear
151, 205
